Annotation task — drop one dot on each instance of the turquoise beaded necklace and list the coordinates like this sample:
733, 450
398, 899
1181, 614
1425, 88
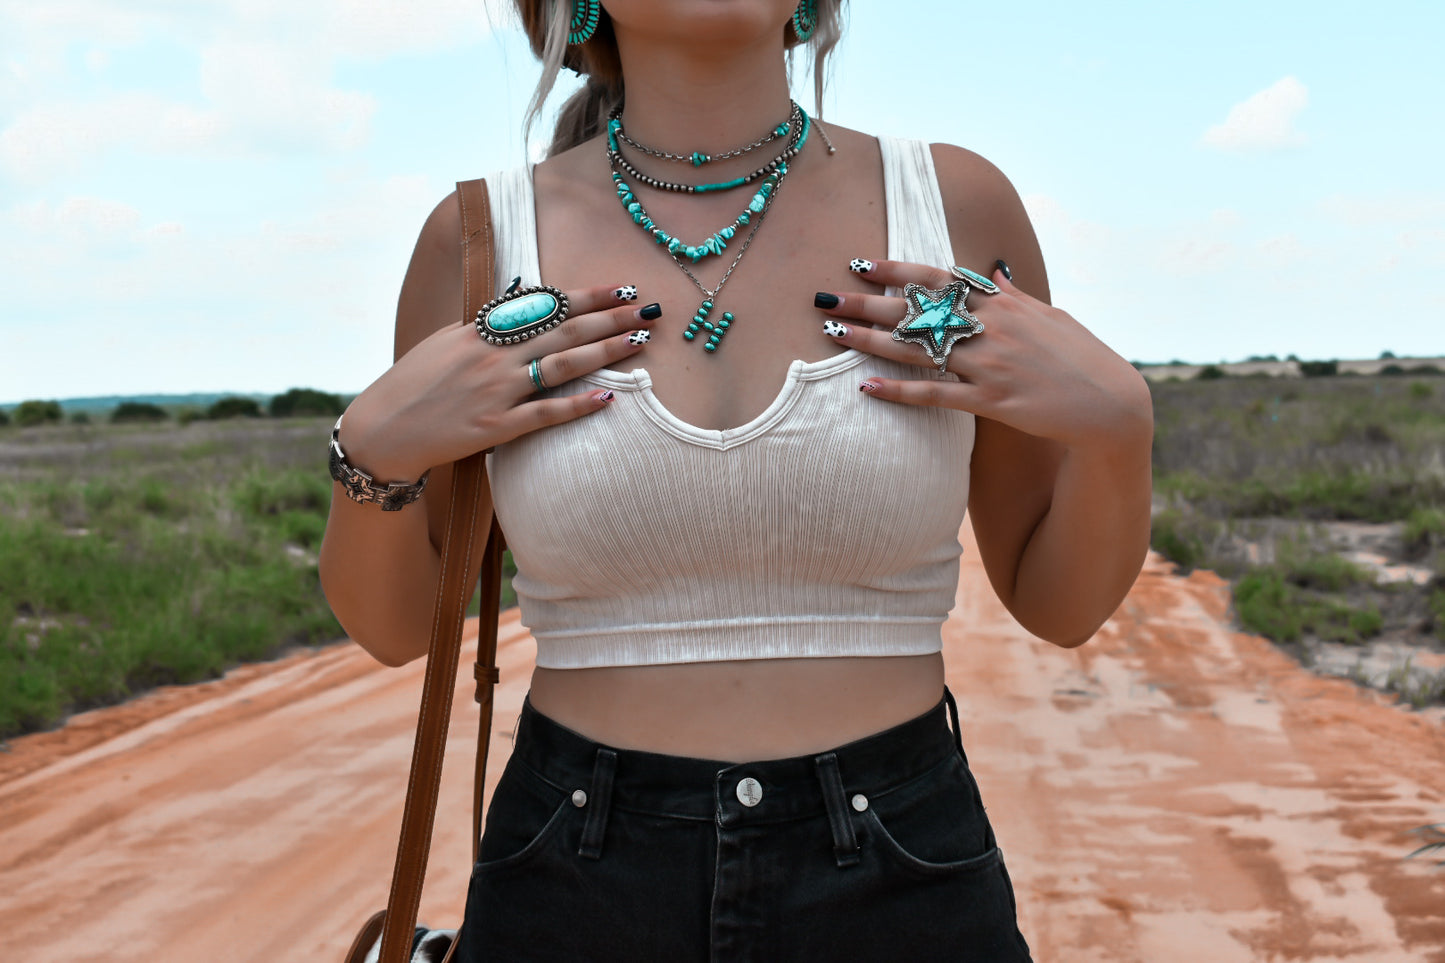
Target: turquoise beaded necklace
711, 332
718, 242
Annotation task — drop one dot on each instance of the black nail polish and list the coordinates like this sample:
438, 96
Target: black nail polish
1003, 266
516, 283
651, 313
825, 300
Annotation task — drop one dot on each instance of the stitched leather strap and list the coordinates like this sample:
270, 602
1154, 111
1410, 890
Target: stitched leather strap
469, 489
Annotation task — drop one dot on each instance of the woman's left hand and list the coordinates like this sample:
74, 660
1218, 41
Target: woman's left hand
1033, 367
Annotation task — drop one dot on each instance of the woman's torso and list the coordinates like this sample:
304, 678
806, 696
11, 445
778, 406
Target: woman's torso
829, 210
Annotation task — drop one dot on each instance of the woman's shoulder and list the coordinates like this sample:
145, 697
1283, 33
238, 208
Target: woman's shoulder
974, 186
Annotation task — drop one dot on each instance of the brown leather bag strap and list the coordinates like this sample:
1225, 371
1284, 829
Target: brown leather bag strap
469, 489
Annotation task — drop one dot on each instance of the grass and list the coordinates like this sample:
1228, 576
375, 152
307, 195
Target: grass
1249, 471
138, 555
1365, 448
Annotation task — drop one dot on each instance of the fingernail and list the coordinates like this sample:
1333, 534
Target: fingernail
639, 337
825, 300
650, 313
516, 283
860, 265
606, 396
628, 292
1003, 266
835, 330
869, 386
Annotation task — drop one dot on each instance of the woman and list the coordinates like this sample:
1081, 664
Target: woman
737, 743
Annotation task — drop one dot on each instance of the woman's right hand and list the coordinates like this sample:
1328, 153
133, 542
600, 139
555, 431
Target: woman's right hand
453, 394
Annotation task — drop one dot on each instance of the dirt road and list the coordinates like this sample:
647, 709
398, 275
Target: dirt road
1171, 792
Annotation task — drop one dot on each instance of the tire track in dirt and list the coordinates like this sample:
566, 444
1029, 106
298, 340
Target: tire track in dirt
1171, 791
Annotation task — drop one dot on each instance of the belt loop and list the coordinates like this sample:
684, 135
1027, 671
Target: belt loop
599, 801
957, 729
845, 843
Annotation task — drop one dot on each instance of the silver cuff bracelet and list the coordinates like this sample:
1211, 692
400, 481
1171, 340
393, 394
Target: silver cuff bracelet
361, 487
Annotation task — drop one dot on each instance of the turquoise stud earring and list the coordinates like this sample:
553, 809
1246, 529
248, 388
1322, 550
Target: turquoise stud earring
585, 14
805, 19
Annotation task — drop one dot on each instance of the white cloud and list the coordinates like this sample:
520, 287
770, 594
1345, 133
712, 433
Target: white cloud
1360, 210
1264, 122
55, 139
303, 298
265, 84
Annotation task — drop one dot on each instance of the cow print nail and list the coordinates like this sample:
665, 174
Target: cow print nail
639, 337
861, 265
626, 293
834, 330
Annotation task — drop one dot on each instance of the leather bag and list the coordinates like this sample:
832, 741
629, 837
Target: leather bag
396, 925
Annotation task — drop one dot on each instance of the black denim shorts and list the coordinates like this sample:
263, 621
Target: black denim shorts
877, 850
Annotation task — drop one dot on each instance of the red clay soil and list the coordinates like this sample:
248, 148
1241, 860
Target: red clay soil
1171, 792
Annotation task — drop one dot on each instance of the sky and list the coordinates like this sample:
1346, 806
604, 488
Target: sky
222, 195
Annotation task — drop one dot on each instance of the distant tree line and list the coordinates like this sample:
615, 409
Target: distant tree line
295, 403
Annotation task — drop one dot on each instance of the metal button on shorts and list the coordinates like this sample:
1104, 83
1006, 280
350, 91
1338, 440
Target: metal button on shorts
750, 792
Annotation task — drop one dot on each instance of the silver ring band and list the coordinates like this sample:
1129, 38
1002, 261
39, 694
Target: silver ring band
535, 371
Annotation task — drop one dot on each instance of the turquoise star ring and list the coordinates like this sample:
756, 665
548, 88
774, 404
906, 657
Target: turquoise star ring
938, 319
521, 313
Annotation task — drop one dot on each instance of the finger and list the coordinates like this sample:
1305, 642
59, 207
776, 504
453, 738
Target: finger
898, 273
872, 308
959, 395
564, 366
588, 328
880, 342
600, 298
546, 412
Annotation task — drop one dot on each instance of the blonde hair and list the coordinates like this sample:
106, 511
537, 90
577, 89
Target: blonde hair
584, 114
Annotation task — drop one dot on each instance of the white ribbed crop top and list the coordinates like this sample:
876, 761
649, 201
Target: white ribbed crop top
826, 526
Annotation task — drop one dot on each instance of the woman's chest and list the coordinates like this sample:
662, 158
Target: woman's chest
762, 284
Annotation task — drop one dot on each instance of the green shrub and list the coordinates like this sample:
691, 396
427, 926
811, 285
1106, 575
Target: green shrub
129, 411
1266, 604
1269, 602
30, 413
1437, 611
1211, 372
263, 494
1420, 391
1319, 369
1322, 571
233, 406
1173, 536
305, 401
1424, 530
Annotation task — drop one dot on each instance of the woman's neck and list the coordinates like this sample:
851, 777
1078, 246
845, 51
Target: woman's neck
694, 99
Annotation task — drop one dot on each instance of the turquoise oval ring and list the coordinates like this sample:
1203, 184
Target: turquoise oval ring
521, 313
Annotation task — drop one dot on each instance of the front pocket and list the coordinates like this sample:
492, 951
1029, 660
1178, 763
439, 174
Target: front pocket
533, 847
524, 813
895, 851
933, 824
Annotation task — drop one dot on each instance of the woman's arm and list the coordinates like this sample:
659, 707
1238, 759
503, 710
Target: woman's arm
1062, 523
380, 570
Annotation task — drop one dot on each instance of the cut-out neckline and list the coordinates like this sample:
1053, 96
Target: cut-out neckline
640, 379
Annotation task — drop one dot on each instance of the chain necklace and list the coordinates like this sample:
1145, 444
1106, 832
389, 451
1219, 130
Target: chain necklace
773, 174
698, 158
715, 244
